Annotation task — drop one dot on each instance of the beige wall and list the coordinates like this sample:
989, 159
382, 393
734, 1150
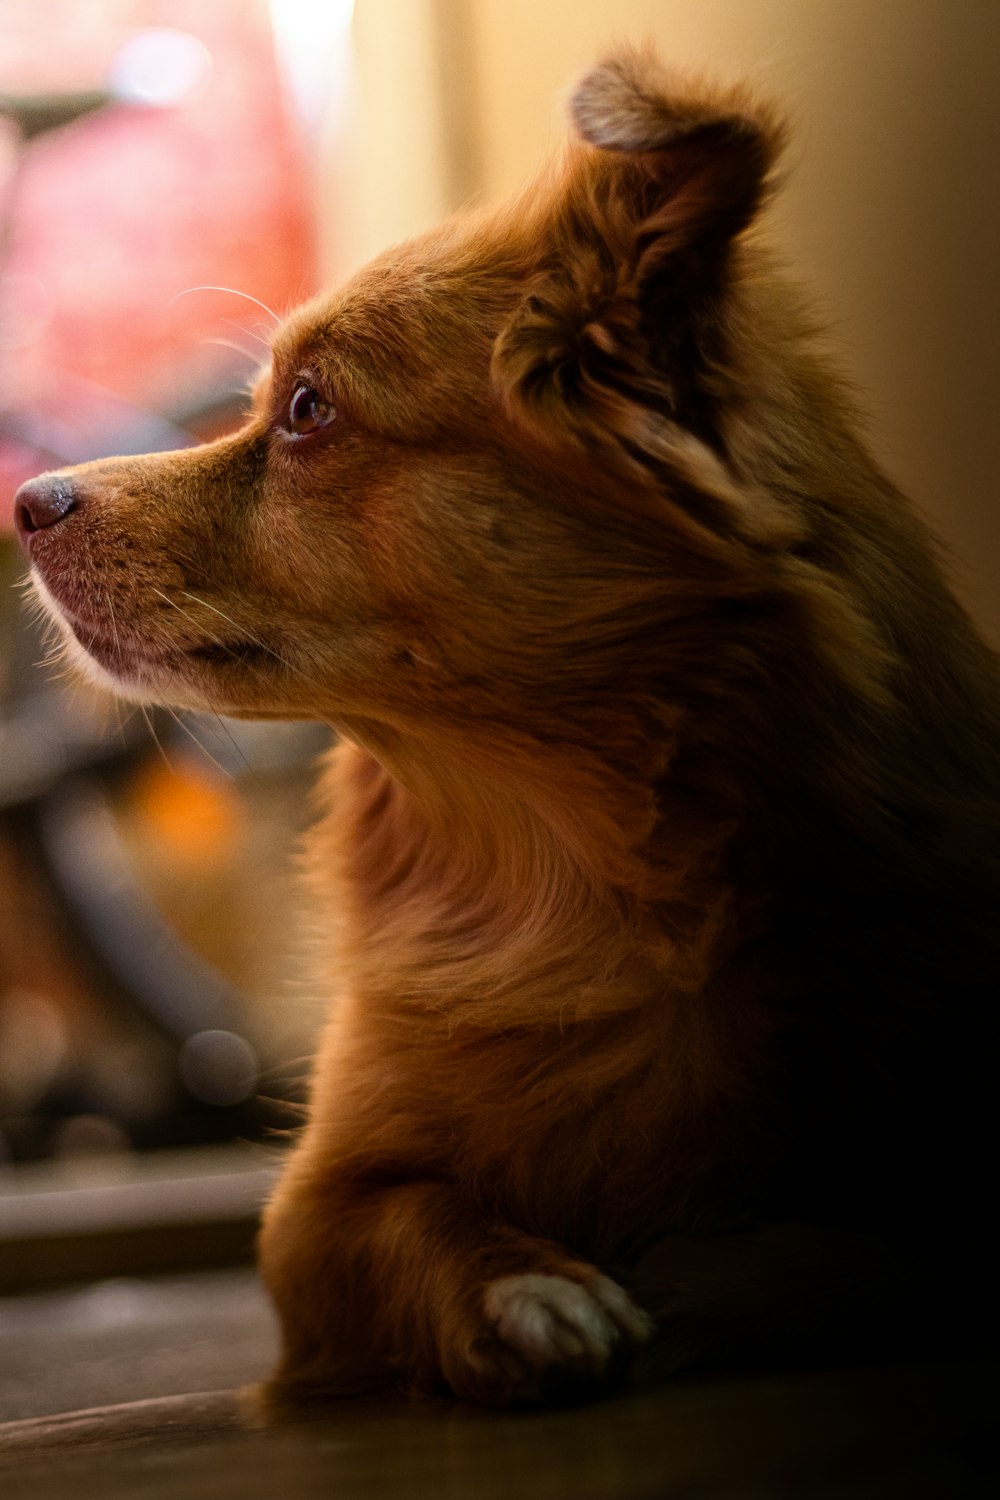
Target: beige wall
891, 209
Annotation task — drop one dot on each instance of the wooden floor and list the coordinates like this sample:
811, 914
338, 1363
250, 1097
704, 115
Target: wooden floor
132, 1352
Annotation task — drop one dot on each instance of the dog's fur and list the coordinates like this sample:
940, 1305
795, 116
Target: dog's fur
660, 863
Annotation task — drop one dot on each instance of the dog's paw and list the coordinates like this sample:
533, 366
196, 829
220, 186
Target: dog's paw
553, 1338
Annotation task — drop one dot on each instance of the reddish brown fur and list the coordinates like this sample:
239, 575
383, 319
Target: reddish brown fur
659, 866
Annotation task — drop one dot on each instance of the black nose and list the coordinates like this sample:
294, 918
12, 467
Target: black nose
43, 502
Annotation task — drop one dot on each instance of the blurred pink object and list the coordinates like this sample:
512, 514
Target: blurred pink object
113, 218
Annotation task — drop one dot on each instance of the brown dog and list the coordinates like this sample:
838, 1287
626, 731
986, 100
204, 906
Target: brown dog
661, 862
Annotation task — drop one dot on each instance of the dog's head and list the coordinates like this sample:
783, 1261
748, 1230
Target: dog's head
506, 475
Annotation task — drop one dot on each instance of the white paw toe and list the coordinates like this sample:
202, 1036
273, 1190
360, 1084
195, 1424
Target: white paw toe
550, 1320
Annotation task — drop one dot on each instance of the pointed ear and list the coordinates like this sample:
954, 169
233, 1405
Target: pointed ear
628, 304
698, 165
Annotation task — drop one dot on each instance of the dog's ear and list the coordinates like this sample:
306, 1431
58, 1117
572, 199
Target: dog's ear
625, 312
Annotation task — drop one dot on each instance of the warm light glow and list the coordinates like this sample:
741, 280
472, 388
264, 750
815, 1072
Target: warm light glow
309, 24
310, 37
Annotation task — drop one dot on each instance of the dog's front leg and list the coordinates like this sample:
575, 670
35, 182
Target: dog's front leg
403, 1282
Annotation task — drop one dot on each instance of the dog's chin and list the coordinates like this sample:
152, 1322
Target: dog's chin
115, 667
175, 681
119, 663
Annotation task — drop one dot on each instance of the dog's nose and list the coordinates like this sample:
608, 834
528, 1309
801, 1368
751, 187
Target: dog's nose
42, 503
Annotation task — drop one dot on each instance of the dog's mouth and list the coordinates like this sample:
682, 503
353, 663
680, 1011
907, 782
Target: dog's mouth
138, 659
127, 656
240, 651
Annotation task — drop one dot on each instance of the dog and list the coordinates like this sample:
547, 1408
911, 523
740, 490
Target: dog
659, 860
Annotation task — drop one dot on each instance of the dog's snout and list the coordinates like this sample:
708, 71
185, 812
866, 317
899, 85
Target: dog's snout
42, 503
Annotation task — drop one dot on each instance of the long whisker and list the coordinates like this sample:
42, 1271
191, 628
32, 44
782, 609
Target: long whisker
248, 331
202, 748
234, 346
232, 291
156, 738
186, 614
225, 730
195, 599
113, 622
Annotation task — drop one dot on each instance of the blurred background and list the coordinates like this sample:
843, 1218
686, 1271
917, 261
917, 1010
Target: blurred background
170, 172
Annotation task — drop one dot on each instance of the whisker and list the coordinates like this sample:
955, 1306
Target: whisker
250, 635
156, 739
114, 712
112, 621
249, 332
216, 640
196, 599
232, 291
234, 346
225, 730
202, 748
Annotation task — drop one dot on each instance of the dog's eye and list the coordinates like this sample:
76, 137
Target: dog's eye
308, 412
